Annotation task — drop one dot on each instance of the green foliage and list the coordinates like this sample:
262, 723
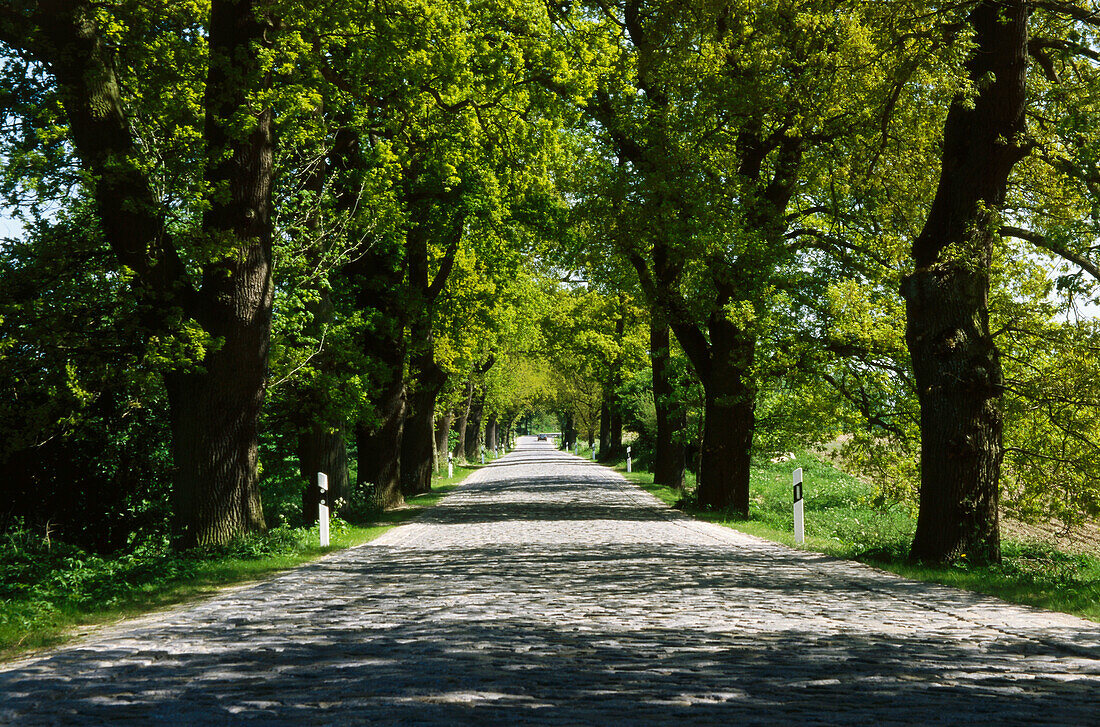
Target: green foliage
48, 587
82, 412
565, 147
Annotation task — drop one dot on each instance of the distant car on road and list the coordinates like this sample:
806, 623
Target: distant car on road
541, 438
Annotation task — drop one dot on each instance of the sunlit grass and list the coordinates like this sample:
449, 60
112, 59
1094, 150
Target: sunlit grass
848, 518
43, 604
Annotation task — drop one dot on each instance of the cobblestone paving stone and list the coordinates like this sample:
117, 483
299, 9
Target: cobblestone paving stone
550, 591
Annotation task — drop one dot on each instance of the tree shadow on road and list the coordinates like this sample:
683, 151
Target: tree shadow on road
605, 634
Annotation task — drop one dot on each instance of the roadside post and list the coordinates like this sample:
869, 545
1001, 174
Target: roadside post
483, 455
628, 462
450, 465
322, 508
799, 524
594, 443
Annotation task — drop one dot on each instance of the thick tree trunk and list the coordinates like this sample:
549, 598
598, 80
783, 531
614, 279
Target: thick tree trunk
375, 278
216, 413
417, 447
442, 439
427, 380
379, 447
473, 428
729, 418
956, 364
605, 430
321, 449
670, 456
615, 447
958, 374
460, 423
491, 432
569, 431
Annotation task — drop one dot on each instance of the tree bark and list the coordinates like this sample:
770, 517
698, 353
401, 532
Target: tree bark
605, 429
322, 449
217, 412
956, 363
442, 439
377, 280
460, 423
426, 378
670, 456
417, 454
569, 431
379, 446
473, 428
491, 432
729, 419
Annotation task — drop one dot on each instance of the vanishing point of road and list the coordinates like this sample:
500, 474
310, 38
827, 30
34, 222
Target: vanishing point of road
547, 590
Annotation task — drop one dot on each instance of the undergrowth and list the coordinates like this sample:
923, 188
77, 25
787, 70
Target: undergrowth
50, 589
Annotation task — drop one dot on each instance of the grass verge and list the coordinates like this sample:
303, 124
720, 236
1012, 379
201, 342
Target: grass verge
52, 592
847, 518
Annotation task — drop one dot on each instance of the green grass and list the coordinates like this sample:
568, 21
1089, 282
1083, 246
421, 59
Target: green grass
847, 518
51, 593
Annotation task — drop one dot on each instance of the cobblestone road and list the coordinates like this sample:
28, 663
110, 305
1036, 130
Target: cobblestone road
549, 591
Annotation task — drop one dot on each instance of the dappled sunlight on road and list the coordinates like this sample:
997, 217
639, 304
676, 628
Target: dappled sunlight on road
549, 591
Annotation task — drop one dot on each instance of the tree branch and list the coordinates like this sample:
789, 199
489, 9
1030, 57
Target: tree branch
1089, 266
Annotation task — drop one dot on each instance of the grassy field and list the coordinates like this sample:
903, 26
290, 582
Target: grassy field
52, 592
846, 517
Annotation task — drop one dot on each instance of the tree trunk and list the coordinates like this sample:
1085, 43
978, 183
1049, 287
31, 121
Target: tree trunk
670, 456
460, 423
956, 364
442, 439
615, 448
417, 447
216, 417
605, 429
473, 428
729, 418
321, 449
491, 433
611, 411
569, 431
379, 447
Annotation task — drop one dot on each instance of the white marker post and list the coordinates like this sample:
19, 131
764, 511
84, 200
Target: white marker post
799, 525
628, 462
593, 451
450, 465
322, 508
483, 455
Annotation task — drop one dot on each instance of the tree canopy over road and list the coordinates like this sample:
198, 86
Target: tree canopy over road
266, 238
